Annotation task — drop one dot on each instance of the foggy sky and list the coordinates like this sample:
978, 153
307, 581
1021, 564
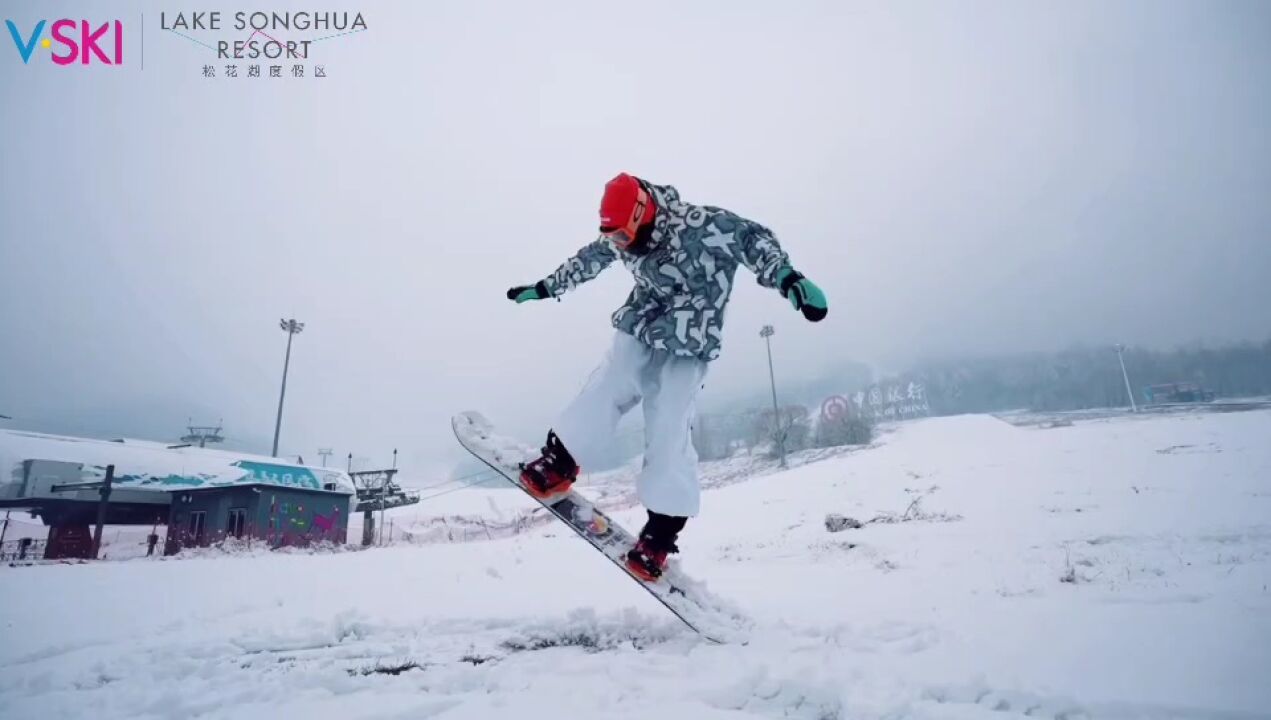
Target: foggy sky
959, 178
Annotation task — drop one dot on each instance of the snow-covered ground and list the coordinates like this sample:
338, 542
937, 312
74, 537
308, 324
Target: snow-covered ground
1117, 568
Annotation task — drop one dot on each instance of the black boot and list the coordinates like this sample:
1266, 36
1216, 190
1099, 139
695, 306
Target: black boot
647, 559
552, 473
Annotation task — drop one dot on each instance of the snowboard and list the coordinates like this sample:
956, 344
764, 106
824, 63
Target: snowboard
685, 598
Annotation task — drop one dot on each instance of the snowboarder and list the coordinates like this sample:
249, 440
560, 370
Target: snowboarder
683, 258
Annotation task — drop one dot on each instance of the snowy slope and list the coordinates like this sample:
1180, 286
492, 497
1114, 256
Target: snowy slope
484, 506
1112, 569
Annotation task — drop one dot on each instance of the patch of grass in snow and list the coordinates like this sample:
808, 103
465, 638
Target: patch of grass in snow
588, 640
584, 640
1190, 449
913, 513
396, 668
885, 565
1070, 575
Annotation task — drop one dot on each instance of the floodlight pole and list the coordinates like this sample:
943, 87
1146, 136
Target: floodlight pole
292, 328
766, 333
1134, 407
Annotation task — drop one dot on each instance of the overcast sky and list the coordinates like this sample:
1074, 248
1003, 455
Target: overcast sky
966, 177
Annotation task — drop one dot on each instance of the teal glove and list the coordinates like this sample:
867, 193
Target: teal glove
804, 295
521, 293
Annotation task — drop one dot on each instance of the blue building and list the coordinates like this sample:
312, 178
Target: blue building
203, 495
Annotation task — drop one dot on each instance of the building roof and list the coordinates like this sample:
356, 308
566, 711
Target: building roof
260, 486
147, 465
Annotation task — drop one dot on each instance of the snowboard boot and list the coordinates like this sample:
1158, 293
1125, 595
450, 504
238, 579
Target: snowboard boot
552, 473
647, 559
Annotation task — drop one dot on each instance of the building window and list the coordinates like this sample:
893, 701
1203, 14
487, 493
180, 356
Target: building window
237, 521
198, 520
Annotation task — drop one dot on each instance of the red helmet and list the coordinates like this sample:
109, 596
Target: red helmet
624, 209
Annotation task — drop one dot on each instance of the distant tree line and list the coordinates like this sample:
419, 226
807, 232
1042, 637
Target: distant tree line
724, 435
1073, 379
1089, 377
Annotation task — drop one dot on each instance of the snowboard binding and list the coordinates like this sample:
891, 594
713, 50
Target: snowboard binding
647, 563
553, 473
647, 560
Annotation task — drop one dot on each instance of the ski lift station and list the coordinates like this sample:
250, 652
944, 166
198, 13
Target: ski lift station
202, 495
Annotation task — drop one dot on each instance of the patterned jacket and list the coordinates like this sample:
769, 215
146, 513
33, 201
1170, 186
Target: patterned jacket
684, 279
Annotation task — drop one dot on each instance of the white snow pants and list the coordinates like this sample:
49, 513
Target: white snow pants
668, 385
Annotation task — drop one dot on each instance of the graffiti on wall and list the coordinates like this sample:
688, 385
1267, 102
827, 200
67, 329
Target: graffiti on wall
289, 519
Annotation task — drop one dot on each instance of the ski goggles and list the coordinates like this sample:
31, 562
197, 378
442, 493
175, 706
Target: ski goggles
624, 236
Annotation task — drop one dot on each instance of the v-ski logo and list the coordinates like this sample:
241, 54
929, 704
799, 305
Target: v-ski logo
78, 41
